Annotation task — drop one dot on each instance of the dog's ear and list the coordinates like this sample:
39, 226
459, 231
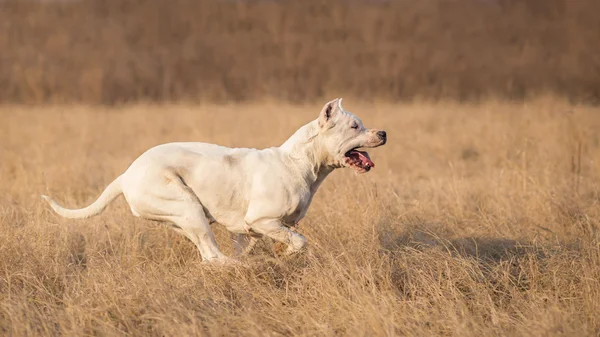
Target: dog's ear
339, 101
329, 111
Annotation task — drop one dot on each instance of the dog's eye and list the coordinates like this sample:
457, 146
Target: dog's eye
355, 126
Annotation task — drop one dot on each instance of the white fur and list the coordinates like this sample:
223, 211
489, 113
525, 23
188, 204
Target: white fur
251, 192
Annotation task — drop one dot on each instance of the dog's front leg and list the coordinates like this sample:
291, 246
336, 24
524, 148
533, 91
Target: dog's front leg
274, 229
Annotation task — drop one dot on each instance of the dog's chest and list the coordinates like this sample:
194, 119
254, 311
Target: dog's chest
296, 209
301, 200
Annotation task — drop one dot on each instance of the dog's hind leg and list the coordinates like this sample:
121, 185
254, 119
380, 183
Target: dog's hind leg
175, 202
197, 229
194, 224
208, 251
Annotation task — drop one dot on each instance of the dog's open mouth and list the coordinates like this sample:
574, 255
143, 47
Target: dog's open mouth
358, 160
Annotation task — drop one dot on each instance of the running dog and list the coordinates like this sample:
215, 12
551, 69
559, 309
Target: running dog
252, 192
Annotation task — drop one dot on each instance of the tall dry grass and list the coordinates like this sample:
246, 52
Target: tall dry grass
114, 51
478, 220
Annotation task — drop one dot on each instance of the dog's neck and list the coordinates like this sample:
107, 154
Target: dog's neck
307, 153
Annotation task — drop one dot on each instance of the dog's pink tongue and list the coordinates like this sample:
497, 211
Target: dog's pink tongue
365, 161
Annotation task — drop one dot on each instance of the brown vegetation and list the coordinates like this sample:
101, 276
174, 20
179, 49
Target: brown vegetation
478, 220
114, 51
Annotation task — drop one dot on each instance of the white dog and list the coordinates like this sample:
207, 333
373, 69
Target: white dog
253, 193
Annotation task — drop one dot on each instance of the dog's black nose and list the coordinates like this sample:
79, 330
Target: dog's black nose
382, 135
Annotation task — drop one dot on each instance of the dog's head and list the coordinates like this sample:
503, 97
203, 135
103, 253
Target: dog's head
343, 134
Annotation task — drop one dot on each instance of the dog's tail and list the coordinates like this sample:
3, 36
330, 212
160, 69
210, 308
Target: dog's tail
112, 191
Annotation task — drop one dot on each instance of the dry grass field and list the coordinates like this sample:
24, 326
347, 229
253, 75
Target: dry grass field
478, 220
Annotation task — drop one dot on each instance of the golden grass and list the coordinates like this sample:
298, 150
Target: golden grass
477, 220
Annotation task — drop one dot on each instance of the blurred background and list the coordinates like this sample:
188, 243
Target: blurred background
118, 51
